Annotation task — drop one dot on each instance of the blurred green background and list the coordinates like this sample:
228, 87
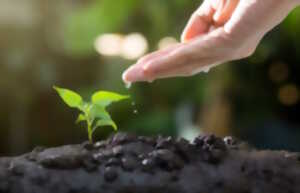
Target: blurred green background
85, 45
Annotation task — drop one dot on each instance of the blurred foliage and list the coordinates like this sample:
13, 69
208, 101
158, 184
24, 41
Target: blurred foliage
154, 19
292, 28
52, 43
96, 18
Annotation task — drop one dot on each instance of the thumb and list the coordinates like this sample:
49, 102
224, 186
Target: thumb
199, 22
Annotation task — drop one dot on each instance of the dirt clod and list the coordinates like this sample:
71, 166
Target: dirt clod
113, 162
129, 163
148, 165
118, 150
16, 169
110, 174
100, 144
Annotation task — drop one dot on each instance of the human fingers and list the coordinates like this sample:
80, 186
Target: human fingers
199, 23
195, 56
136, 72
224, 11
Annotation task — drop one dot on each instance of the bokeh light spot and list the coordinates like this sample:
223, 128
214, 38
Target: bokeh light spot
109, 44
134, 46
166, 42
278, 72
289, 95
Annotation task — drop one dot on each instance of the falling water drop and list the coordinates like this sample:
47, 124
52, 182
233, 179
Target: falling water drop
206, 69
135, 111
128, 85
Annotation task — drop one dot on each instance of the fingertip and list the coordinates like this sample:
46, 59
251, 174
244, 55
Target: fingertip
134, 74
217, 16
196, 27
125, 78
199, 23
129, 75
183, 37
225, 11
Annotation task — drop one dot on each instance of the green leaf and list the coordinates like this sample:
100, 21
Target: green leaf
105, 98
98, 112
106, 122
71, 98
80, 118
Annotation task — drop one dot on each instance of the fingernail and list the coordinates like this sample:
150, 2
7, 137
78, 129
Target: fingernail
133, 74
124, 77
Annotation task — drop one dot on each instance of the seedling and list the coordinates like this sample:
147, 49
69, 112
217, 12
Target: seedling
94, 113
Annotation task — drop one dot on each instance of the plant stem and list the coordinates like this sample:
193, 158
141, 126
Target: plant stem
90, 131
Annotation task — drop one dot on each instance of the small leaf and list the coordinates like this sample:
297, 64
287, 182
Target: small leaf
105, 98
80, 118
71, 98
98, 112
106, 122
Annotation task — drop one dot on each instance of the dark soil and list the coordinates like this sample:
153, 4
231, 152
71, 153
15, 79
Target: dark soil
130, 164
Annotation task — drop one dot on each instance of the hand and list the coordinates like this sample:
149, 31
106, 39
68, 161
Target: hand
219, 31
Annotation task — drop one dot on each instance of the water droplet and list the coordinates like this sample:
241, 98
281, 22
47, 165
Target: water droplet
150, 80
206, 69
135, 111
128, 85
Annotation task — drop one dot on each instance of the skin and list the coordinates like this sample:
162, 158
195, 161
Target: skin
218, 31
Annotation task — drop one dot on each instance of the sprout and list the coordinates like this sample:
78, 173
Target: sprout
94, 112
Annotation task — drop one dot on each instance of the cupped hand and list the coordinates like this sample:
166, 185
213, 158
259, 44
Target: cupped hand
219, 31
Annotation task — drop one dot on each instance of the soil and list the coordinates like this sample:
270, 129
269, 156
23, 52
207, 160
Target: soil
131, 164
